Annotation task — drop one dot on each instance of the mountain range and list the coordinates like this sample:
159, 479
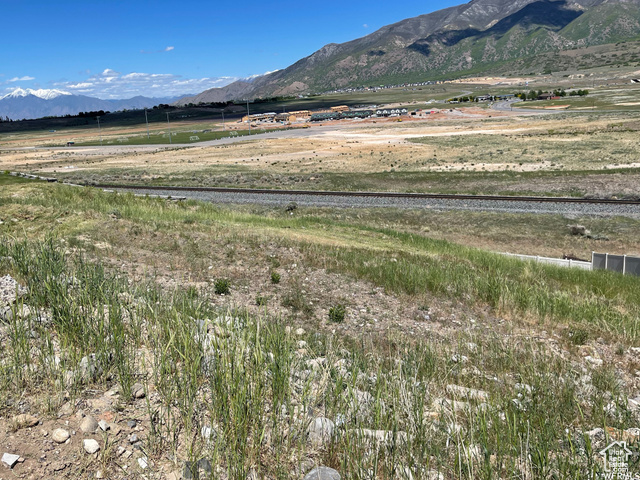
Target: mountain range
479, 37
27, 103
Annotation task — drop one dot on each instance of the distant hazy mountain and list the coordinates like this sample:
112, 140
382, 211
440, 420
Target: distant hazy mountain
482, 36
27, 103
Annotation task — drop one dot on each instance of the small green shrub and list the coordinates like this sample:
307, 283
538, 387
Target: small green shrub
222, 286
275, 278
578, 336
296, 300
336, 314
261, 301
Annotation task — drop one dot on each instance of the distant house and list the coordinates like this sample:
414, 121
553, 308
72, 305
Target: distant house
388, 112
548, 96
301, 113
340, 108
285, 117
322, 116
259, 117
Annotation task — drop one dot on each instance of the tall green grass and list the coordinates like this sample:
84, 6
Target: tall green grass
400, 262
256, 387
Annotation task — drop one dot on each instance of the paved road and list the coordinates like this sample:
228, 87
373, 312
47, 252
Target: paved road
507, 106
292, 133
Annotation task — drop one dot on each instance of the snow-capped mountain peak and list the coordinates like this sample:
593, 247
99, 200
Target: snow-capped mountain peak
40, 93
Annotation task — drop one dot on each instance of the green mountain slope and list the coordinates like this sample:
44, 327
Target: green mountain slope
483, 36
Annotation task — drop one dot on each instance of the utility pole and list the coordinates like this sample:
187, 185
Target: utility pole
169, 127
99, 129
248, 117
146, 120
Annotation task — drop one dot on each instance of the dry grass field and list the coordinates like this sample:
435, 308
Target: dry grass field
470, 150
250, 342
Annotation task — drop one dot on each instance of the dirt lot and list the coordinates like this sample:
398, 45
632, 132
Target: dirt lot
462, 140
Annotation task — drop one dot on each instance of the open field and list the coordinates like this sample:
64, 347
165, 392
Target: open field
601, 98
254, 342
269, 342
466, 149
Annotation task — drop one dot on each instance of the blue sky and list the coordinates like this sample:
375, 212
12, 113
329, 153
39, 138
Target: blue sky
119, 49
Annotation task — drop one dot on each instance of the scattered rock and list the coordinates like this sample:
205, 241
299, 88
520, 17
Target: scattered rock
596, 362
8, 289
59, 466
433, 475
633, 404
10, 459
131, 423
358, 402
404, 473
208, 433
133, 438
469, 393
89, 368
90, 446
138, 391
205, 466
320, 430
450, 405
340, 420
456, 358
24, 420
190, 471
88, 424
322, 473
60, 435
578, 230
104, 426
524, 390
382, 437
142, 461
300, 332
316, 364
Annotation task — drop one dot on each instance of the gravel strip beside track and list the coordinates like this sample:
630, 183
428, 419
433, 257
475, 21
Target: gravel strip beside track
339, 201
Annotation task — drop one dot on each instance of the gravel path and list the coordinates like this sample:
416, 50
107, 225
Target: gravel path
310, 200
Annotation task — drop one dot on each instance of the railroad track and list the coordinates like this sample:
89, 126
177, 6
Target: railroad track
402, 195
571, 207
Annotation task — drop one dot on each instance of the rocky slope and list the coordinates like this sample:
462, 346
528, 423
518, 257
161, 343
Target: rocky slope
479, 36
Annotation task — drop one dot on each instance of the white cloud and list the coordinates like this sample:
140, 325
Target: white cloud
365, 25
113, 85
166, 49
78, 85
26, 78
